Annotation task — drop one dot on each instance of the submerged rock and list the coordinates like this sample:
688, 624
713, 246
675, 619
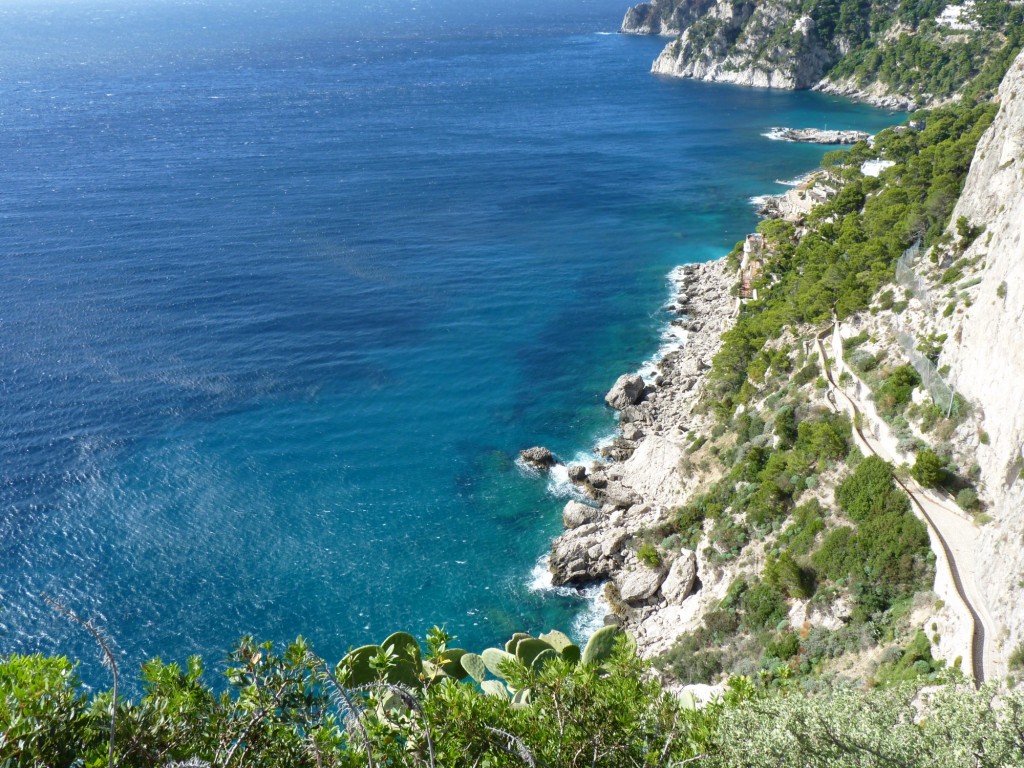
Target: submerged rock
539, 457
627, 390
577, 473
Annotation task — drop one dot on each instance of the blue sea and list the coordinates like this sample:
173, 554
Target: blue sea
287, 286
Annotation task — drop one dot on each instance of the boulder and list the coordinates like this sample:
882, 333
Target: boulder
613, 540
577, 473
627, 390
833, 616
539, 457
639, 584
681, 577
631, 432
576, 513
572, 561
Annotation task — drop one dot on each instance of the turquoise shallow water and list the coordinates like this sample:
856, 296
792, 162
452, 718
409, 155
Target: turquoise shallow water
285, 291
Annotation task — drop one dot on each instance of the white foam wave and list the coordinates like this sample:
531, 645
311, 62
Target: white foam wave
758, 201
559, 484
776, 134
591, 619
796, 181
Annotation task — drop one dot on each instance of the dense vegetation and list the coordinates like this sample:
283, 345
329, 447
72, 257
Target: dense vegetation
899, 45
923, 59
286, 708
864, 556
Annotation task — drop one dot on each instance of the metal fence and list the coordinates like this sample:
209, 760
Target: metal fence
908, 278
941, 393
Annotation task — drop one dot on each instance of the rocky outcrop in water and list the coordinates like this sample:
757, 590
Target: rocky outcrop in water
538, 457
627, 390
818, 135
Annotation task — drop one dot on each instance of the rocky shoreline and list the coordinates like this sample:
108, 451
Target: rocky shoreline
817, 135
642, 481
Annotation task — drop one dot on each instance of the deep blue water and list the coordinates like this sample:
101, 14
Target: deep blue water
285, 289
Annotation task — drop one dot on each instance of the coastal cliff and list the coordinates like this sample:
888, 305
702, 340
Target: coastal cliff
729, 522
768, 45
895, 56
985, 352
663, 17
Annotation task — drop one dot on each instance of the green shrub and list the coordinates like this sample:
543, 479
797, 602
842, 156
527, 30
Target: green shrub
855, 341
649, 556
43, 720
897, 388
806, 374
785, 574
870, 491
783, 647
807, 522
862, 361
929, 469
967, 499
764, 606
1016, 660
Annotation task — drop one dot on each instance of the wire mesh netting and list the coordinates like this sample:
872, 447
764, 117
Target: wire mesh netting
941, 393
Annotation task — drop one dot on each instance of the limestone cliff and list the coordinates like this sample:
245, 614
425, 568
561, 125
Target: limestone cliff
892, 54
663, 17
770, 45
986, 351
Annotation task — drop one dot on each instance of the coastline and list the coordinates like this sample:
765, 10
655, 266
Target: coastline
639, 482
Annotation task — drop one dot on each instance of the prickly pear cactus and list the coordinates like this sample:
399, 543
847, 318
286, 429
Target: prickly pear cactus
495, 658
601, 645
354, 669
474, 665
527, 650
510, 646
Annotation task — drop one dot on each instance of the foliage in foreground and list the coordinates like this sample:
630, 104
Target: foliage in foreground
289, 709
286, 709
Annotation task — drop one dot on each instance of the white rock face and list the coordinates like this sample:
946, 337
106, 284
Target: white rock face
639, 584
745, 61
576, 513
627, 390
681, 576
653, 471
662, 17
986, 354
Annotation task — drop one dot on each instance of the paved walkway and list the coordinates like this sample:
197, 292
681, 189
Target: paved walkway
952, 533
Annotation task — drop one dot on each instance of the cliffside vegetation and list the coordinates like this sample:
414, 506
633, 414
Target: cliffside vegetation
895, 51
923, 59
841, 543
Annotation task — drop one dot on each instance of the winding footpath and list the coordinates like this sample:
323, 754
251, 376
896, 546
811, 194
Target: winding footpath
948, 527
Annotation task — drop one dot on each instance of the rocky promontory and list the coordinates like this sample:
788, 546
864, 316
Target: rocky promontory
817, 135
643, 484
663, 17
